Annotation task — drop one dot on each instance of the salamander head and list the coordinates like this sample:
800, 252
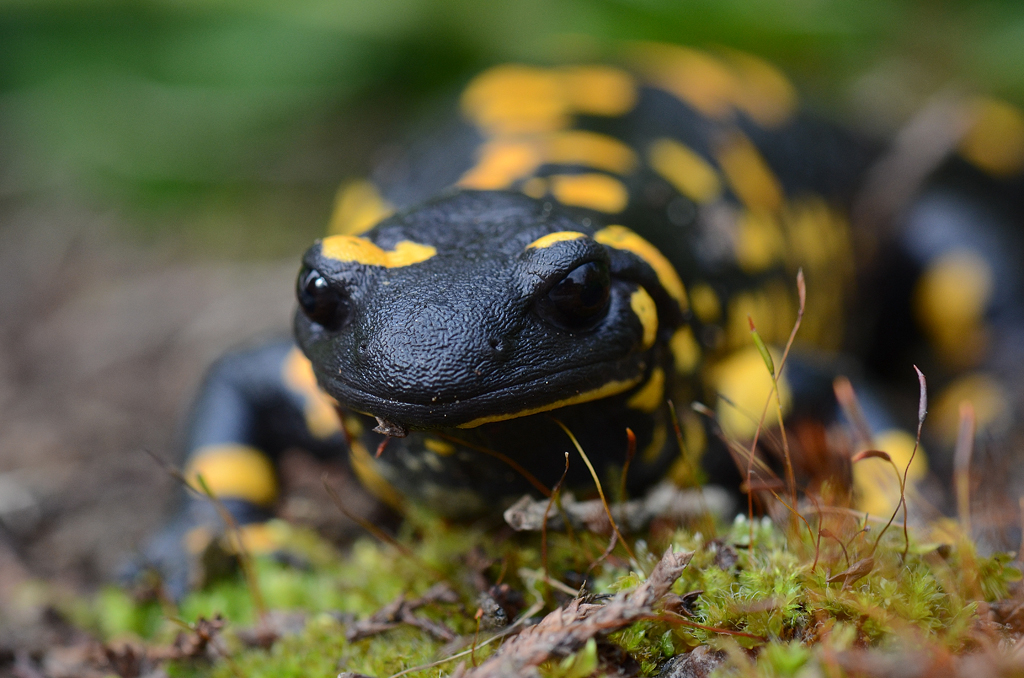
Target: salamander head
482, 306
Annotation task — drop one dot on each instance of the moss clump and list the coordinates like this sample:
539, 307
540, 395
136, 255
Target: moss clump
775, 608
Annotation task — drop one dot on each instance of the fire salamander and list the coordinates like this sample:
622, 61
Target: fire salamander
580, 244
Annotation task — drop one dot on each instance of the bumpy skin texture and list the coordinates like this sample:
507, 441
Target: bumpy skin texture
579, 244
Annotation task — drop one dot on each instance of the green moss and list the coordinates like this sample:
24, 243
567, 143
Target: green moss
780, 601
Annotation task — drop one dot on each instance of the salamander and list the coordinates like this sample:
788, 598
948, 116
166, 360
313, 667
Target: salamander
575, 247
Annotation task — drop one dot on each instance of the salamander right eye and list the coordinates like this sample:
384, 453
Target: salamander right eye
322, 303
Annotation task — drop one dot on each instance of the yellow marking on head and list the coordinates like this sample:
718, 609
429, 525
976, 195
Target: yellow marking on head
609, 389
234, 471
647, 311
445, 449
759, 241
516, 99
500, 163
552, 238
358, 208
361, 251
598, 151
621, 238
875, 485
599, 90
685, 350
745, 381
535, 187
950, 302
990, 400
682, 167
319, 409
995, 140
695, 77
705, 303
366, 470
765, 94
659, 436
595, 191
748, 174
651, 395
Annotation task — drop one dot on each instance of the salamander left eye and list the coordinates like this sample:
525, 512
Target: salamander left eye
582, 295
322, 303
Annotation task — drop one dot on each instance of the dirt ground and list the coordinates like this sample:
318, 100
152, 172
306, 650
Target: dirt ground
101, 344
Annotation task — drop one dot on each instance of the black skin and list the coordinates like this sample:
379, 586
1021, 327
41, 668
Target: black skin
488, 327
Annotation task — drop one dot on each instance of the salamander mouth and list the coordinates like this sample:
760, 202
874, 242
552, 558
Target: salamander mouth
531, 396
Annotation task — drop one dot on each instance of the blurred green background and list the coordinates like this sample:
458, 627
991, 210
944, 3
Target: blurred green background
227, 124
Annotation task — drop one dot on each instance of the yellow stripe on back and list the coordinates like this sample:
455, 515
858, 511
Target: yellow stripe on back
749, 175
995, 141
234, 471
594, 191
357, 208
695, 77
349, 248
599, 90
599, 151
621, 238
689, 173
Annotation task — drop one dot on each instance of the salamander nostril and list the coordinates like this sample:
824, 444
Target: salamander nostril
499, 347
362, 346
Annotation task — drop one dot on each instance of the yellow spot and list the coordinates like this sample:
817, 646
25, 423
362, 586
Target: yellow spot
705, 303
744, 380
651, 395
595, 191
995, 141
875, 483
552, 238
759, 241
440, 447
689, 173
748, 174
360, 251
256, 538
598, 151
516, 99
366, 470
609, 389
535, 187
989, 399
765, 94
197, 539
685, 350
950, 303
235, 471
500, 163
599, 90
695, 77
685, 470
658, 439
319, 408
357, 209
621, 238
647, 311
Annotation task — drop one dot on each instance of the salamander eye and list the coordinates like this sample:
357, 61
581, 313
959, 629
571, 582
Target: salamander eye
582, 295
322, 303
